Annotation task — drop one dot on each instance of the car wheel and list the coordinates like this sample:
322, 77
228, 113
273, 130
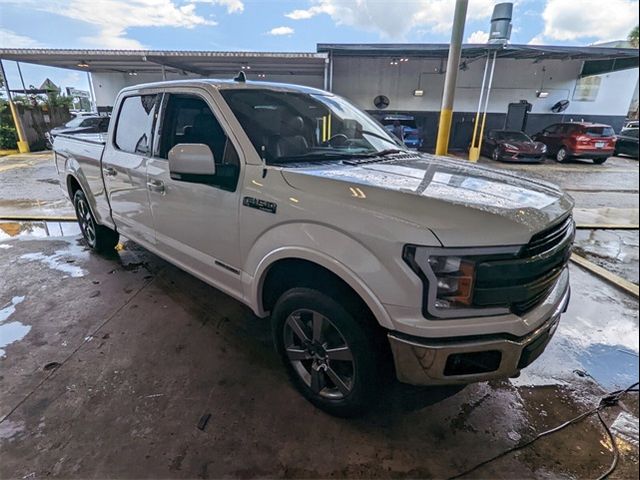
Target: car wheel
599, 161
562, 155
331, 357
496, 154
98, 237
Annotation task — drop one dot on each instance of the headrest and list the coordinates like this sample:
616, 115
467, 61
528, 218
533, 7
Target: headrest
293, 126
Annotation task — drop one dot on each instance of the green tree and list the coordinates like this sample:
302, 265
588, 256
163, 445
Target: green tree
633, 37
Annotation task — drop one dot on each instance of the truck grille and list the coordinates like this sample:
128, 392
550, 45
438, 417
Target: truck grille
523, 282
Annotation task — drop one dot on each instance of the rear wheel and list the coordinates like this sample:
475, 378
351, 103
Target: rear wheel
562, 155
98, 237
599, 161
330, 356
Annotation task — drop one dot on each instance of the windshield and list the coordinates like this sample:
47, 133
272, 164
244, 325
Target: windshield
287, 127
511, 137
74, 122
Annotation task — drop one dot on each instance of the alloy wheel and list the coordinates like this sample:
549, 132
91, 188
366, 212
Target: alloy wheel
319, 354
87, 225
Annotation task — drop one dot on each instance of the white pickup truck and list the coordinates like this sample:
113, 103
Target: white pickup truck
367, 257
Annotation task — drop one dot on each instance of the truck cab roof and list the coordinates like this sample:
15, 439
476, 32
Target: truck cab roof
229, 84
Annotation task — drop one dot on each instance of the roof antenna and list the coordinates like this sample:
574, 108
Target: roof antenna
241, 77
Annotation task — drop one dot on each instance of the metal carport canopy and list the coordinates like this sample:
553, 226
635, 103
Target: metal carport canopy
206, 63
608, 58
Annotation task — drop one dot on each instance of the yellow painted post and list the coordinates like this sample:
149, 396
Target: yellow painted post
23, 145
444, 131
453, 64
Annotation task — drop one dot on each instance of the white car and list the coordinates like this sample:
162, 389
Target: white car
367, 257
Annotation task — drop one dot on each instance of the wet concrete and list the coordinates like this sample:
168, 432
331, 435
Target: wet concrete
30, 187
108, 364
123, 359
615, 250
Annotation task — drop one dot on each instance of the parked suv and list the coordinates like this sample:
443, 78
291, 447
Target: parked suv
578, 139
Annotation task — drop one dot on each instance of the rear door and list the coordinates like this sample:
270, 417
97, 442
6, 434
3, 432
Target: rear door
124, 166
196, 224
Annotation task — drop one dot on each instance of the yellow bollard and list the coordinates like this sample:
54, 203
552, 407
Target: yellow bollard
23, 145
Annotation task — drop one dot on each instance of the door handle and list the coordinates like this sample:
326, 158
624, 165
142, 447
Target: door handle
109, 172
156, 186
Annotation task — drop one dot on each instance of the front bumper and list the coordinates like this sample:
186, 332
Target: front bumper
522, 157
422, 361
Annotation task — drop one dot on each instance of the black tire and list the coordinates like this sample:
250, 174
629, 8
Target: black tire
496, 154
562, 155
361, 376
100, 238
599, 161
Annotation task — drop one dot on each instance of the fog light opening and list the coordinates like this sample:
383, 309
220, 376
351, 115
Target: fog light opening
473, 363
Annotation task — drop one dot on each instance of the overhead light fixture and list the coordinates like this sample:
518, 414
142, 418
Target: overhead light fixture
82, 64
418, 93
132, 72
542, 94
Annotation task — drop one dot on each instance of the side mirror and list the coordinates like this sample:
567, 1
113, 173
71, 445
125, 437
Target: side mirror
191, 162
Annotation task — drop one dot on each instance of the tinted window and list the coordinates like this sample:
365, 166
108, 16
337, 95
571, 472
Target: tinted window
91, 121
135, 121
599, 131
74, 122
551, 129
188, 119
632, 132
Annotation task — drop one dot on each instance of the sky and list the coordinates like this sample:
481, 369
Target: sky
285, 25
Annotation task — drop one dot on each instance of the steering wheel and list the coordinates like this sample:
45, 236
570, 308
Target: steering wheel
337, 140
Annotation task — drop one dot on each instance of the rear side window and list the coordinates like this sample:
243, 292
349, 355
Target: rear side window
633, 132
599, 131
135, 123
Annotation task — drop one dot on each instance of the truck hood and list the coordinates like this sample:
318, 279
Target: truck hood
461, 203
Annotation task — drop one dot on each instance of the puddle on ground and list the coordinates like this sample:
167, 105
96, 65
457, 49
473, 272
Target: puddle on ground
37, 229
61, 260
11, 331
596, 338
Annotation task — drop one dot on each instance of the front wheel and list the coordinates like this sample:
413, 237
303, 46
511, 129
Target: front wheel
330, 356
98, 237
496, 154
562, 155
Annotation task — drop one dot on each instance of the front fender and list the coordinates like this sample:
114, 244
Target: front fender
376, 281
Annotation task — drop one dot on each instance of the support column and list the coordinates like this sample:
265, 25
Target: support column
453, 62
23, 145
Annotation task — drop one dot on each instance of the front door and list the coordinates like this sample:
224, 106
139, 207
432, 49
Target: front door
196, 224
124, 167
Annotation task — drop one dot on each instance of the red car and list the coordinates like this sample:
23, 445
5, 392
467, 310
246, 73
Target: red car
579, 139
512, 146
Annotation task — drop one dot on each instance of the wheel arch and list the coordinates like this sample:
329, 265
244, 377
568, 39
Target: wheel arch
318, 269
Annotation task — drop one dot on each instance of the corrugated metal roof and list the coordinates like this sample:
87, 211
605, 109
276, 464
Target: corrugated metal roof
200, 62
439, 50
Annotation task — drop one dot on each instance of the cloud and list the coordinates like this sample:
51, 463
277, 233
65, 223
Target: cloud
567, 20
10, 39
233, 6
114, 17
395, 19
278, 31
478, 37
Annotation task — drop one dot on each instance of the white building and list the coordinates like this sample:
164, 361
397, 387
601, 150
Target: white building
598, 82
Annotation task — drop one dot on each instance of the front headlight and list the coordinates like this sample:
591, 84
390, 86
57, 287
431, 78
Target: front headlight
449, 280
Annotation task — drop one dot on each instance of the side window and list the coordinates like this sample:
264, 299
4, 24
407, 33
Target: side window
135, 121
188, 119
551, 129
